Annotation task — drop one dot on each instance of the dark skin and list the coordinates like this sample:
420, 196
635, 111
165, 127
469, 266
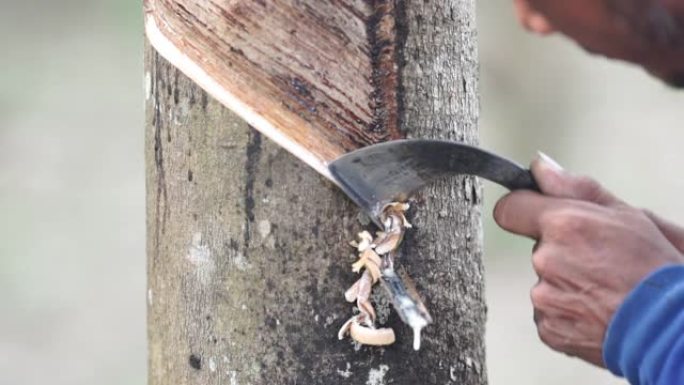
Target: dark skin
591, 247
649, 33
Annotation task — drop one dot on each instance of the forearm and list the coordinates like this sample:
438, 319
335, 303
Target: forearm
645, 339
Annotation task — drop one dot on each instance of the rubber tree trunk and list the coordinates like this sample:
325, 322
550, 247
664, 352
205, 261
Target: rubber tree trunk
248, 254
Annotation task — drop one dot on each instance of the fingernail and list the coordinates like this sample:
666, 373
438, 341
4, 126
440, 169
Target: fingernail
539, 24
549, 162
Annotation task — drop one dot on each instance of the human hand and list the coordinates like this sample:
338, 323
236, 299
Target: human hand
556, 182
592, 249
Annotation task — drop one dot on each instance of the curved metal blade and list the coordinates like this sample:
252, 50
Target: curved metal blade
391, 171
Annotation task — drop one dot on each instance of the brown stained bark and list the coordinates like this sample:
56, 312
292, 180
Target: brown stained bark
308, 67
247, 247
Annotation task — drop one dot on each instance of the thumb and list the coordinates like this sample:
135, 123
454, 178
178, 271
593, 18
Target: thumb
556, 182
671, 231
532, 20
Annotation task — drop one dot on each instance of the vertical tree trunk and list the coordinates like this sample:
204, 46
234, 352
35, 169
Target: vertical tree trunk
248, 254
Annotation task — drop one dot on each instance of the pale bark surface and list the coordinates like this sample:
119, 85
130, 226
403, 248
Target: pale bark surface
247, 247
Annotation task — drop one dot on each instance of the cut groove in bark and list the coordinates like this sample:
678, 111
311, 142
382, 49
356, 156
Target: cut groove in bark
318, 78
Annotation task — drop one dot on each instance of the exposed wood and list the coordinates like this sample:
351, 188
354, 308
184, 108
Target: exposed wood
248, 258
317, 77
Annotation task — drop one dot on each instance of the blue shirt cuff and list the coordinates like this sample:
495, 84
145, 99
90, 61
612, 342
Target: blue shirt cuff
645, 339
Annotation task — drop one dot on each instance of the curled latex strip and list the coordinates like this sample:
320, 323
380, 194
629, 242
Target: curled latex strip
376, 260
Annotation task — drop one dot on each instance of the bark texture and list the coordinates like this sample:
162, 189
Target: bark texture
321, 72
247, 247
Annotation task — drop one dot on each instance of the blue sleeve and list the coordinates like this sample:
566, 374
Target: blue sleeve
645, 339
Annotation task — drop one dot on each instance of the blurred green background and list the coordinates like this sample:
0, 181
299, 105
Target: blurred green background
72, 254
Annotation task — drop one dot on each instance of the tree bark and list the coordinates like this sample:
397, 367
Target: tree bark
248, 254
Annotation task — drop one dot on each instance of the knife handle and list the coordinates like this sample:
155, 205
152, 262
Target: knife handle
525, 181
507, 173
